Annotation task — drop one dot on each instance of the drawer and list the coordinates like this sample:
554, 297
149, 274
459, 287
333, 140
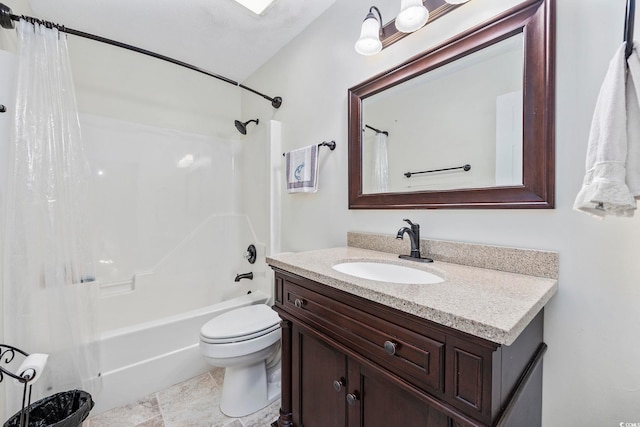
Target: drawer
416, 358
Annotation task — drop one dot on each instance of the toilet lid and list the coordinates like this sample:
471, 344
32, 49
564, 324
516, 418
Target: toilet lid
244, 322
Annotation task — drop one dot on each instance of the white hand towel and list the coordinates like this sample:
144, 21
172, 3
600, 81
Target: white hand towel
633, 124
302, 170
604, 190
32, 365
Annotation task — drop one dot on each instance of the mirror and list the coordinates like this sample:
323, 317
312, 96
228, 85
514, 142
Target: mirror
469, 123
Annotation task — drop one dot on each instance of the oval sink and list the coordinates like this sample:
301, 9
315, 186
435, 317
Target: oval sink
387, 272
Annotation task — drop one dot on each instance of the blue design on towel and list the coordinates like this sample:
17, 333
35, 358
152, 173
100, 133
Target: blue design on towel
298, 172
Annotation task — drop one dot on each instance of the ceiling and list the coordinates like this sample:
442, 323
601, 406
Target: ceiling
220, 36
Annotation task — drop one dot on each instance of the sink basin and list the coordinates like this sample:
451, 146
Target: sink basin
387, 272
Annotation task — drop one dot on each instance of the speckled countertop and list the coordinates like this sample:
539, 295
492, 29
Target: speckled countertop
494, 305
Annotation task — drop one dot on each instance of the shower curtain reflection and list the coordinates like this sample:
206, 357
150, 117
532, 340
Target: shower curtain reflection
380, 164
49, 286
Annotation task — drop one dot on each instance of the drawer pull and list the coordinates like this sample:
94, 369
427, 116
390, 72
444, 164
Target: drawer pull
390, 347
338, 385
352, 398
299, 303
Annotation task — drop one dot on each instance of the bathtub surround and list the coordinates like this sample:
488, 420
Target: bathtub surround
50, 287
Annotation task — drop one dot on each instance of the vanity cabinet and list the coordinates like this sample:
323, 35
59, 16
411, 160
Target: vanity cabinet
331, 389
351, 362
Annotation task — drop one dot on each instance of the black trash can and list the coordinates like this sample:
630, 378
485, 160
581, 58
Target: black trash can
65, 409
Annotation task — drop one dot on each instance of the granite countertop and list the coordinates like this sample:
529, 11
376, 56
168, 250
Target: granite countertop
490, 304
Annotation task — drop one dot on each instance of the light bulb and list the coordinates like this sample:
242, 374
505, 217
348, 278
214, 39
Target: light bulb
369, 42
413, 15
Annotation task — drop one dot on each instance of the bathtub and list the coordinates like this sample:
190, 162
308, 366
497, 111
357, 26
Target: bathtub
148, 357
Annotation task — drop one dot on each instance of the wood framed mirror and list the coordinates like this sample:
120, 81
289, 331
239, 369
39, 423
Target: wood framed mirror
458, 158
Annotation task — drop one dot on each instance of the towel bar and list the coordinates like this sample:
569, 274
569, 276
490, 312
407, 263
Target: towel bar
330, 144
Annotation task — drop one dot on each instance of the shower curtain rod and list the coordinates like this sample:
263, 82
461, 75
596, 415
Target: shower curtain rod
7, 18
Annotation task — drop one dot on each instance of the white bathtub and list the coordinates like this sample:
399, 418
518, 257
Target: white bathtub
145, 358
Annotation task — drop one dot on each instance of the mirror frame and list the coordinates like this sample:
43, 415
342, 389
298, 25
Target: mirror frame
536, 20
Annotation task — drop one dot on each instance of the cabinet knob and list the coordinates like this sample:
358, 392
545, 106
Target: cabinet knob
390, 347
298, 302
352, 398
338, 384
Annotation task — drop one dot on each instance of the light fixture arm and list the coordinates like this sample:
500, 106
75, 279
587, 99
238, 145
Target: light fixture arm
371, 15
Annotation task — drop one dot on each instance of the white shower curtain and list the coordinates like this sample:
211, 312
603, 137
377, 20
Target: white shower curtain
49, 286
380, 164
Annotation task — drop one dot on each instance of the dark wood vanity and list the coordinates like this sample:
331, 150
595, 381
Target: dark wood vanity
349, 361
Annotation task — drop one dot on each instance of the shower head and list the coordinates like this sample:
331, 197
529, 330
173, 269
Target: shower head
242, 127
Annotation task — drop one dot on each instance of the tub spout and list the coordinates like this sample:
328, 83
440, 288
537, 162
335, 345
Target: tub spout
244, 276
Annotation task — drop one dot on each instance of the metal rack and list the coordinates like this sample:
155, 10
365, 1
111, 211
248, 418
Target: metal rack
7, 354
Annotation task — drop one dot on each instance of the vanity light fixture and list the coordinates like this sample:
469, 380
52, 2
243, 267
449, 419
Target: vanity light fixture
413, 15
369, 42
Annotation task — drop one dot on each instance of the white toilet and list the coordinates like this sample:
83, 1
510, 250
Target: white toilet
246, 342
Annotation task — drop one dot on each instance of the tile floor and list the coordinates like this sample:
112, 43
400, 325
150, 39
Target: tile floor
193, 403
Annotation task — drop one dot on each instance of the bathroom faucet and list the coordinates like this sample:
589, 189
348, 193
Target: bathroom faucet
414, 236
243, 276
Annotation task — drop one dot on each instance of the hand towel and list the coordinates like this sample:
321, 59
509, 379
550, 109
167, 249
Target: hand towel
604, 190
302, 170
633, 124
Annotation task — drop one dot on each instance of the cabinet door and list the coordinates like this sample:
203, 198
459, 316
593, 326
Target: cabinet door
376, 401
319, 376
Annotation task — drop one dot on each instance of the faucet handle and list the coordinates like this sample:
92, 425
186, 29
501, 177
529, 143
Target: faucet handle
410, 223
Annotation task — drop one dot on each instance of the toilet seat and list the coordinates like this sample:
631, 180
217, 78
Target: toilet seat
241, 324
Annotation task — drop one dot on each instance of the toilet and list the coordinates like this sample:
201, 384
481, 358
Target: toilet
246, 342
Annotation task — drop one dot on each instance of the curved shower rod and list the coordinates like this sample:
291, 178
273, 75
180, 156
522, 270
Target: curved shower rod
7, 18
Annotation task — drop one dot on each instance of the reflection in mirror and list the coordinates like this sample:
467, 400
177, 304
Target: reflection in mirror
430, 127
469, 123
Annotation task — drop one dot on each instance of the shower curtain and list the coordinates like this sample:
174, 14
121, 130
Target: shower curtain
48, 280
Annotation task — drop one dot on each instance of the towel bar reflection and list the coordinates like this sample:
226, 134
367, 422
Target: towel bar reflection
377, 130
330, 144
466, 168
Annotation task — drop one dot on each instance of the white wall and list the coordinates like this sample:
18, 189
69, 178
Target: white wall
591, 371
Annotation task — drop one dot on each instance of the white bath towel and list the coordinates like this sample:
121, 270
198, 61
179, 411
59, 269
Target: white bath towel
604, 190
633, 124
302, 170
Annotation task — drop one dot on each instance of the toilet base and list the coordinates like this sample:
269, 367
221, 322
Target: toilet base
247, 390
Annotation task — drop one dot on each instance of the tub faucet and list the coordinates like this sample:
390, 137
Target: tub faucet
414, 236
244, 276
